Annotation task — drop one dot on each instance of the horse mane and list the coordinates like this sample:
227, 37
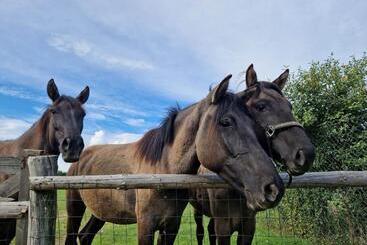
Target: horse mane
150, 146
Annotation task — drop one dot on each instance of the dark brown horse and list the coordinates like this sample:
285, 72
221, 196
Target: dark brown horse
58, 131
283, 139
216, 132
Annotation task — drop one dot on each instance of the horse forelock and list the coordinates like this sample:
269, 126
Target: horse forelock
256, 89
74, 103
272, 86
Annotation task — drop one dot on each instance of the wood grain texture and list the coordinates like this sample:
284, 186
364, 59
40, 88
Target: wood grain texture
183, 181
13, 210
10, 165
10, 187
43, 204
22, 223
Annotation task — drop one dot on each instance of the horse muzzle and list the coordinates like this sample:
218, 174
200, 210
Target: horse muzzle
71, 148
261, 192
301, 161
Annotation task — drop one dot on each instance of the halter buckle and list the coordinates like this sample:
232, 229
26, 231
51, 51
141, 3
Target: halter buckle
270, 130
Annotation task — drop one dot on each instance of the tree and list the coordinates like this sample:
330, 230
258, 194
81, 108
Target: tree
330, 99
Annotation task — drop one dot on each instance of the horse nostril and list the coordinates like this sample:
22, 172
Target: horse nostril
271, 193
300, 158
66, 144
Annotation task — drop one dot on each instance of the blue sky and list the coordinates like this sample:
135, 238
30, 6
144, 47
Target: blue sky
140, 57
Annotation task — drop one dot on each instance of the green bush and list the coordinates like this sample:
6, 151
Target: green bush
330, 99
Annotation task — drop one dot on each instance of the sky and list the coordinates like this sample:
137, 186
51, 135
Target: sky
141, 57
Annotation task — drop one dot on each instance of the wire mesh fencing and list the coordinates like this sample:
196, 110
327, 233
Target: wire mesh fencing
340, 221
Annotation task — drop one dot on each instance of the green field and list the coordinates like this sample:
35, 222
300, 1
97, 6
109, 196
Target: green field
268, 230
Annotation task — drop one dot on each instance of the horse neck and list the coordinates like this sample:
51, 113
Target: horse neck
38, 137
181, 155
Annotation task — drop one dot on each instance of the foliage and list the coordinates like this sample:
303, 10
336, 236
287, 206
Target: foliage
61, 173
330, 99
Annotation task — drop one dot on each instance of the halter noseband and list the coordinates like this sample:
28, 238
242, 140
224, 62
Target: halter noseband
271, 129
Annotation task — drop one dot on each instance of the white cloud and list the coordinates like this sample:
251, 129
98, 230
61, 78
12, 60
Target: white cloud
18, 93
96, 116
125, 138
90, 52
11, 128
97, 138
136, 122
64, 44
104, 137
115, 108
63, 166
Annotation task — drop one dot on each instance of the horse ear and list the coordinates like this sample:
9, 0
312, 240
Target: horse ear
84, 95
251, 77
220, 90
282, 79
52, 90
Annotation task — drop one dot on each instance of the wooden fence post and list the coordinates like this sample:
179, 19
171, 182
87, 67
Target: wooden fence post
43, 204
22, 223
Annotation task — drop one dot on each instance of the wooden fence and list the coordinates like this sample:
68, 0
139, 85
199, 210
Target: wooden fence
30, 205
43, 185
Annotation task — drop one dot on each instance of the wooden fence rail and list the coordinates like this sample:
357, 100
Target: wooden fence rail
13, 210
180, 181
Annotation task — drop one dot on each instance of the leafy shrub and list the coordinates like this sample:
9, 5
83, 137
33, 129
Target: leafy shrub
330, 99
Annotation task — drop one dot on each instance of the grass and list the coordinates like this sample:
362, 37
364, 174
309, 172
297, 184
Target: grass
268, 229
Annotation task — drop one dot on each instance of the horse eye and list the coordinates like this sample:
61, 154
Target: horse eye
225, 122
260, 107
53, 111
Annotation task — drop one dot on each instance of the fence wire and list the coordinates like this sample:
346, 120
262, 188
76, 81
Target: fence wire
339, 221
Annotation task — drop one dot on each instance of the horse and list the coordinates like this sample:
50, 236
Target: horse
57, 131
282, 138
216, 132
